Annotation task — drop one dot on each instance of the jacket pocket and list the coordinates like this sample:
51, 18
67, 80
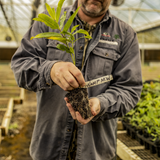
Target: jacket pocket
53, 53
101, 62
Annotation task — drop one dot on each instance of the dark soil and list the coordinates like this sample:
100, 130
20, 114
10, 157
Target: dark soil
78, 98
15, 146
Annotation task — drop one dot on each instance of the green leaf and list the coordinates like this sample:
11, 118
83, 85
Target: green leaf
74, 28
51, 11
71, 37
63, 17
47, 20
89, 37
60, 3
65, 32
63, 48
70, 20
82, 31
63, 40
47, 35
37, 19
72, 50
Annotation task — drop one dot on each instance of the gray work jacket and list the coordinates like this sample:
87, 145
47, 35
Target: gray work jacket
112, 50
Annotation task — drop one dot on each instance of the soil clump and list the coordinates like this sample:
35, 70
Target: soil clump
78, 98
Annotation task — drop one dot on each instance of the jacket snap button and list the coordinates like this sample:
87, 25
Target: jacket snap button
81, 47
64, 151
69, 130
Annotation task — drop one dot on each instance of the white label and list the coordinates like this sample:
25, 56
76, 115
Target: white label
98, 81
108, 42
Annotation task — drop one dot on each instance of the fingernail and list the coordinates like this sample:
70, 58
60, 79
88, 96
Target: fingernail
93, 113
77, 113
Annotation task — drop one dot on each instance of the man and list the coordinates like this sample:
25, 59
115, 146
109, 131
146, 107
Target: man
39, 66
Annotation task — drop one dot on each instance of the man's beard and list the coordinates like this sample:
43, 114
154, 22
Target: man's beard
92, 12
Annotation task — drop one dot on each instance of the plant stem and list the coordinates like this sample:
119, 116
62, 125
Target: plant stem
77, 39
73, 59
72, 54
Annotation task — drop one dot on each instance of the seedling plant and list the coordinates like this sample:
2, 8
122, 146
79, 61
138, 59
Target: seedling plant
55, 22
79, 96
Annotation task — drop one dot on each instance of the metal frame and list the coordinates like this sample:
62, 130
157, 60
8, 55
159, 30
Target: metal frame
20, 13
6, 18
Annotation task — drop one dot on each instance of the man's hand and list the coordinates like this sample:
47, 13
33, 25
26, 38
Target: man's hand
67, 75
95, 109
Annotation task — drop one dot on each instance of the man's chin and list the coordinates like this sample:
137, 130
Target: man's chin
93, 8
93, 12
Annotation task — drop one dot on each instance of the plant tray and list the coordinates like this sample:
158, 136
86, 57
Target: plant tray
135, 146
124, 138
145, 154
149, 145
130, 130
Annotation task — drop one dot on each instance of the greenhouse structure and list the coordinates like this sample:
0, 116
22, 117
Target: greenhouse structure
138, 132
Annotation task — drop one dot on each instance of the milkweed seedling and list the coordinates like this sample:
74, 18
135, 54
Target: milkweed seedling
55, 22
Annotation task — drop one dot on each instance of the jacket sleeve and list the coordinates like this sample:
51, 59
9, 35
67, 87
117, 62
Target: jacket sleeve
125, 89
29, 63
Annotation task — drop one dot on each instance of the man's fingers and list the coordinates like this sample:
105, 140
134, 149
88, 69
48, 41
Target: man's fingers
81, 120
67, 75
65, 85
95, 109
66, 99
95, 106
71, 80
73, 113
78, 75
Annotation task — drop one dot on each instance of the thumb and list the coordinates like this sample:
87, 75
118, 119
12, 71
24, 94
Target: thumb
95, 106
95, 111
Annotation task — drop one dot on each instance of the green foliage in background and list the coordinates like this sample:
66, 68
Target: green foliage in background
146, 115
55, 22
